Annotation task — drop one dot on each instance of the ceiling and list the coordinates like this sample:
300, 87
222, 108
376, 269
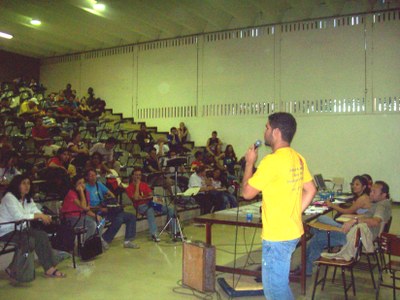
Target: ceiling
71, 26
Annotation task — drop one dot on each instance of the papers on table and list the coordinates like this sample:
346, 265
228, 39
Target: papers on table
315, 210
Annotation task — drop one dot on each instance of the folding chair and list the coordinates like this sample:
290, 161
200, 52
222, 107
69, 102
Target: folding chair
343, 264
390, 245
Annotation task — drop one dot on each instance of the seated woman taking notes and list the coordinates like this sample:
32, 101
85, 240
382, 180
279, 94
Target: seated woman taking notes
361, 201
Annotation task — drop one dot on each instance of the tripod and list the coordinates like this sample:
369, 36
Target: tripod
177, 232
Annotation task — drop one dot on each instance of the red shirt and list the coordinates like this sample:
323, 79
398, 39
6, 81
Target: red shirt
55, 160
144, 191
69, 204
40, 132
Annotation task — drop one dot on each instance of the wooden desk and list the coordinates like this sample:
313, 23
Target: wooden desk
231, 219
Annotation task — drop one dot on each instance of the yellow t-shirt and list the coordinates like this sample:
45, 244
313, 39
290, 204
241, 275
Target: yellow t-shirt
280, 176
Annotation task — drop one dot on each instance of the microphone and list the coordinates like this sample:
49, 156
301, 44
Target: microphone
257, 144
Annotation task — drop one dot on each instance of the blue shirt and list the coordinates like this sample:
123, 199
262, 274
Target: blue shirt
96, 193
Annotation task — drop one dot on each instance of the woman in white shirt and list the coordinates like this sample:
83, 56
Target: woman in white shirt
17, 204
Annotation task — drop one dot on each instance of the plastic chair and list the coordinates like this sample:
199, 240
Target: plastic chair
343, 264
389, 245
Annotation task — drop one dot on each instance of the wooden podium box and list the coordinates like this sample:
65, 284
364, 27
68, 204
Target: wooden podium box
198, 266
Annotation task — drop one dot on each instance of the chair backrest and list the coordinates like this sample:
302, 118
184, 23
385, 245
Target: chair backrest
390, 244
387, 225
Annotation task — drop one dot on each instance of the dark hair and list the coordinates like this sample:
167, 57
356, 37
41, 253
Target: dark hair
363, 181
367, 176
75, 179
111, 140
7, 156
198, 153
384, 187
97, 154
172, 128
233, 151
90, 170
214, 132
14, 186
286, 123
61, 151
136, 169
200, 169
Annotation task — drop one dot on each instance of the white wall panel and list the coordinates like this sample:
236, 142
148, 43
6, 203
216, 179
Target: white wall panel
167, 76
238, 70
386, 58
324, 63
111, 77
56, 76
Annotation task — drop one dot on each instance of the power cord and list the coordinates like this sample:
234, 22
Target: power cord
188, 291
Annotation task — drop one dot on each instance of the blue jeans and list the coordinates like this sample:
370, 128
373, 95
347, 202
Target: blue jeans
320, 241
116, 222
144, 209
327, 220
276, 258
229, 199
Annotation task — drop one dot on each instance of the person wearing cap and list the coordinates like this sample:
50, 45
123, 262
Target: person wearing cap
29, 108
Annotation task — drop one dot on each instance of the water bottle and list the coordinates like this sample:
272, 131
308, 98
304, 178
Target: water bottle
101, 223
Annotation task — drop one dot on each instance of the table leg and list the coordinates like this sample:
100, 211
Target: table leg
208, 233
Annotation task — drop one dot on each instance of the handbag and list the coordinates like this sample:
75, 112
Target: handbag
64, 238
22, 267
91, 247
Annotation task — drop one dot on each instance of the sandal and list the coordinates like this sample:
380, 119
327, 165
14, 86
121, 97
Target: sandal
55, 274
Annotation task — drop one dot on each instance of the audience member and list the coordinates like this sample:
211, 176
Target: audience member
230, 160
221, 190
17, 204
8, 167
378, 213
161, 147
62, 160
76, 209
107, 151
144, 139
141, 196
183, 132
77, 147
212, 144
207, 202
98, 193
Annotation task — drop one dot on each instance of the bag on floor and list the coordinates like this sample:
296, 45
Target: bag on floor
23, 269
91, 247
64, 238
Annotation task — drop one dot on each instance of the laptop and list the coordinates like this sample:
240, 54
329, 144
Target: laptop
320, 182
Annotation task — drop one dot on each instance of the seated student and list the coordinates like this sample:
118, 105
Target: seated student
361, 201
141, 195
216, 181
144, 139
8, 167
76, 207
198, 161
212, 144
379, 212
161, 147
62, 160
183, 132
97, 193
78, 149
107, 151
17, 204
230, 160
203, 198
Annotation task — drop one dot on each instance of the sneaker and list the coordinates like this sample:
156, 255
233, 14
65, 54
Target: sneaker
155, 238
131, 245
105, 245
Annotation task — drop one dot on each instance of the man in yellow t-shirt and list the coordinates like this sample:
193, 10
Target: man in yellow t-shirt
287, 189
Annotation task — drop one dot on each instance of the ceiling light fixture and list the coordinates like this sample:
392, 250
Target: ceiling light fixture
99, 6
6, 35
36, 22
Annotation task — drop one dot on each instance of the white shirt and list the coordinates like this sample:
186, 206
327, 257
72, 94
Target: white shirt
108, 155
196, 181
11, 209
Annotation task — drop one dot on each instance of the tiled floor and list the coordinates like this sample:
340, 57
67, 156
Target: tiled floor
154, 271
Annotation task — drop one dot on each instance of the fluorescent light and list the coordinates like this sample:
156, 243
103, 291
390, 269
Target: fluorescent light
6, 35
99, 6
36, 22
